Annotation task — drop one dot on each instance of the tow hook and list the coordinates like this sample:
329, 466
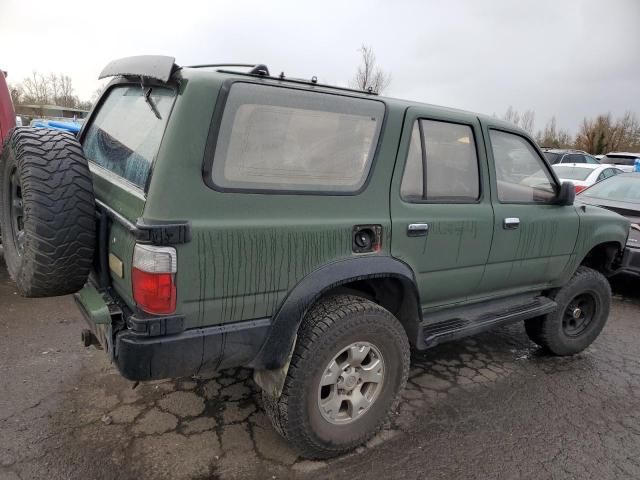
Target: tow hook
88, 338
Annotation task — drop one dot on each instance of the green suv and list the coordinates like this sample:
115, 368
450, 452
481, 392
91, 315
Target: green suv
212, 217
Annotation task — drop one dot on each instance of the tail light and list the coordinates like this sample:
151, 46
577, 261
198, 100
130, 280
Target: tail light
580, 188
153, 278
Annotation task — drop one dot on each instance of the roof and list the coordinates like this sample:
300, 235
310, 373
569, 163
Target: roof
221, 73
590, 166
563, 150
55, 107
623, 154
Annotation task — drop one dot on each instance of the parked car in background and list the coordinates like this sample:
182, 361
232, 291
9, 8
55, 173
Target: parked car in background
622, 160
557, 155
7, 115
583, 175
621, 194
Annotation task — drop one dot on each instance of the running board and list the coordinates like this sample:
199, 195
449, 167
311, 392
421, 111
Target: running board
453, 324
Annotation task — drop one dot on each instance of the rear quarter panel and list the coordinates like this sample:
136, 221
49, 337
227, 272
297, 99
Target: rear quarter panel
249, 249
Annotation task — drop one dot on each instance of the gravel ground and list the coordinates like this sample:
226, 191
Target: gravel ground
489, 407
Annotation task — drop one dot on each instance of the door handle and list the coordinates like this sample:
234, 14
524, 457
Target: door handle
417, 229
511, 223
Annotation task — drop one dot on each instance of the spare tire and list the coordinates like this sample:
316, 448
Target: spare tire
47, 212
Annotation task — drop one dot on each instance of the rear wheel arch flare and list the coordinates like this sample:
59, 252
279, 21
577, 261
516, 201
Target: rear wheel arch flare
364, 275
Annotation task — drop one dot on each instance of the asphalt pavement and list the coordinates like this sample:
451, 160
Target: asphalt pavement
490, 407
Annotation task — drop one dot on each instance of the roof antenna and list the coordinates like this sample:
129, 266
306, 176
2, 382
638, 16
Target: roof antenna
259, 69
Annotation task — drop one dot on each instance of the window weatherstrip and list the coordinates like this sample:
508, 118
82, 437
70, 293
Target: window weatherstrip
423, 154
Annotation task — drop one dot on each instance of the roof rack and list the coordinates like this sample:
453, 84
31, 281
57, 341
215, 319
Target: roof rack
256, 68
261, 70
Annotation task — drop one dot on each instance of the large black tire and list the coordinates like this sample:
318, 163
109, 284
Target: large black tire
583, 310
47, 212
330, 326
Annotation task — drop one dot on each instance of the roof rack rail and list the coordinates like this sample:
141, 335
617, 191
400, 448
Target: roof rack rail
256, 68
261, 70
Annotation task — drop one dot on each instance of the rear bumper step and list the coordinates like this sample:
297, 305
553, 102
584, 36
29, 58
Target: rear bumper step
468, 321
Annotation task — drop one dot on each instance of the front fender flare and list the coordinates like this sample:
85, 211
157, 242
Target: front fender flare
284, 328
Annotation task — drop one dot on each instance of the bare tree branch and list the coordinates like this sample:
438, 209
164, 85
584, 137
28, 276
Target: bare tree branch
369, 76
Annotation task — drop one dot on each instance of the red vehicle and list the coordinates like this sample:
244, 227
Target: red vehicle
7, 115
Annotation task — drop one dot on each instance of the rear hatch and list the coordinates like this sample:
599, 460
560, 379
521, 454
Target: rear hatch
121, 140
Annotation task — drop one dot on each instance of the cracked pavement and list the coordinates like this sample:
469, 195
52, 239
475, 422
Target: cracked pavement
493, 406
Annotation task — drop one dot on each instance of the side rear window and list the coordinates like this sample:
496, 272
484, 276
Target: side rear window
125, 134
273, 138
442, 164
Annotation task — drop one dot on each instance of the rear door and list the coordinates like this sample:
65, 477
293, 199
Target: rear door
533, 238
442, 220
121, 140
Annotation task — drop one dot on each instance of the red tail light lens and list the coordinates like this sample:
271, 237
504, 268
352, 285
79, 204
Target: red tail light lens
153, 279
580, 188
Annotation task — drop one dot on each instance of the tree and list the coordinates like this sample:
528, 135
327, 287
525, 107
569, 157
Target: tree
369, 75
552, 137
16, 94
526, 121
36, 89
603, 134
53, 89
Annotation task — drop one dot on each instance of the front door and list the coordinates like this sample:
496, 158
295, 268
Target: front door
533, 237
442, 220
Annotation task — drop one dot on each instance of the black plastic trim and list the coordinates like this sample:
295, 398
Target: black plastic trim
156, 233
456, 323
153, 358
630, 261
154, 325
286, 321
214, 131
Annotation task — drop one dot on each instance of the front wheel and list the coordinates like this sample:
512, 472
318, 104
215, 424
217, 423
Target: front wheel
583, 310
350, 361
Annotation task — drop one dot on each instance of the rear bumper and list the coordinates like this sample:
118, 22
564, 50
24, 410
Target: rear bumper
209, 348
143, 357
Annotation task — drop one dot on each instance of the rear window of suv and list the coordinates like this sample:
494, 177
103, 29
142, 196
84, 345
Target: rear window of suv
285, 139
125, 134
618, 160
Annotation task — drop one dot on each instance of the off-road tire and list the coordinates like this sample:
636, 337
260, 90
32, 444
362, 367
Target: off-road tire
58, 205
548, 332
330, 325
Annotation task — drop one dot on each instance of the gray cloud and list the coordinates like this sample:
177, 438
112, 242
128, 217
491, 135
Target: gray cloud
571, 58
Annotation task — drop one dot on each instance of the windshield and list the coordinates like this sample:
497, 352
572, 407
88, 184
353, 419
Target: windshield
552, 157
572, 173
619, 188
618, 160
125, 134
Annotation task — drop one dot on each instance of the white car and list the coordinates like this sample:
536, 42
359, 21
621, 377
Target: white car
583, 175
625, 161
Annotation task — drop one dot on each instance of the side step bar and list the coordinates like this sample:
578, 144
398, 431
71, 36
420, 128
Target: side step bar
465, 321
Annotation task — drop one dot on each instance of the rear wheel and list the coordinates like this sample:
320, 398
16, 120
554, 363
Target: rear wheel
583, 310
350, 361
47, 212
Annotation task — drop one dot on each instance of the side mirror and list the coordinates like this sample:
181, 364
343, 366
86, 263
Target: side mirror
566, 195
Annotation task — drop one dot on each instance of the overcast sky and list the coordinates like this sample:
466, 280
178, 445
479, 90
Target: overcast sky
571, 58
